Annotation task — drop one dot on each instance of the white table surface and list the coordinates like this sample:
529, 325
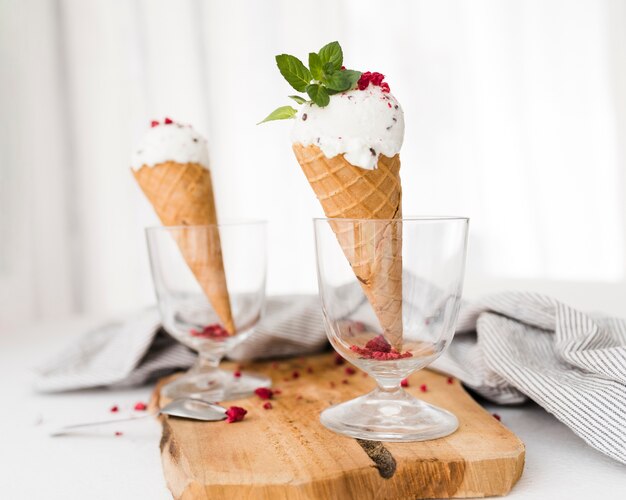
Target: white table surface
101, 465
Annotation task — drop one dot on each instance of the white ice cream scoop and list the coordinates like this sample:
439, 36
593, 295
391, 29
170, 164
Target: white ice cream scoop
360, 124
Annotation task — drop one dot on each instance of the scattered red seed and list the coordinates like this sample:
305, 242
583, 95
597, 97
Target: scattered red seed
114, 409
309, 369
379, 348
450, 380
345, 381
424, 388
497, 417
154, 123
237, 374
389, 104
235, 414
374, 78
118, 433
267, 406
168, 121
349, 370
215, 332
139, 406
295, 374
339, 359
404, 382
264, 393
277, 392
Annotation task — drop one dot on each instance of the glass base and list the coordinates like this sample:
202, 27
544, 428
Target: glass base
215, 385
389, 416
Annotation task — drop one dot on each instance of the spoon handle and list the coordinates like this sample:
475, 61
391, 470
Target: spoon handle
68, 428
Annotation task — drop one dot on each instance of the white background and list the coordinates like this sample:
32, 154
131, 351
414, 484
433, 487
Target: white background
515, 112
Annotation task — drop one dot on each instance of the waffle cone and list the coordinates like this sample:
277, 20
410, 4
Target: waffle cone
373, 250
182, 195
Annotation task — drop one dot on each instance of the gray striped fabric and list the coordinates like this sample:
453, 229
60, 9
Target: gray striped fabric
509, 347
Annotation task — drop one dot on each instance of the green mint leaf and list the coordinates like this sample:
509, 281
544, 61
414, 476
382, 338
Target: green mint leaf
315, 65
282, 113
342, 80
294, 71
328, 69
318, 95
298, 99
332, 53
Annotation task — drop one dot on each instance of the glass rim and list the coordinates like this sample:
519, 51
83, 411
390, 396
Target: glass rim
226, 223
408, 218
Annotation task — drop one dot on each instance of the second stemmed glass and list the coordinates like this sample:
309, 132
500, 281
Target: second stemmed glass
390, 293
190, 317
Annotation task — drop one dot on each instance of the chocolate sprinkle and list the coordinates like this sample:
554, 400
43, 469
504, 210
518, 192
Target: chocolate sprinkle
373, 151
195, 140
304, 117
396, 106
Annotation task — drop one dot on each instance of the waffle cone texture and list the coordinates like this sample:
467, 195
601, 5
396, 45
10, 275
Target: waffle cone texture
182, 195
373, 250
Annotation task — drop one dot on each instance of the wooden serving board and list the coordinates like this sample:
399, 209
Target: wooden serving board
285, 453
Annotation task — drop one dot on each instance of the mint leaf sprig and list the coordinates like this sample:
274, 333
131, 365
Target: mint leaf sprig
324, 77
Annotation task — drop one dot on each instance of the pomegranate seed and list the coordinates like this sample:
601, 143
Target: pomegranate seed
404, 382
114, 409
154, 123
424, 388
168, 121
267, 406
450, 380
235, 414
264, 393
237, 374
140, 406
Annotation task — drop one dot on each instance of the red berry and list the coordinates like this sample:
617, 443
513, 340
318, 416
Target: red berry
450, 380
384, 87
404, 382
154, 123
114, 409
237, 374
267, 406
139, 406
378, 344
235, 414
424, 388
377, 78
168, 121
350, 370
264, 393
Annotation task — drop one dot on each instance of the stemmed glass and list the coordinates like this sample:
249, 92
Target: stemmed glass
390, 293
194, 296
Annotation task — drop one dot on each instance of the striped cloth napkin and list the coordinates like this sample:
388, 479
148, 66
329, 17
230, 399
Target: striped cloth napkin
509, 347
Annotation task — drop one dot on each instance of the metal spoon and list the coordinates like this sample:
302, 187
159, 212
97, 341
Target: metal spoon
190, 408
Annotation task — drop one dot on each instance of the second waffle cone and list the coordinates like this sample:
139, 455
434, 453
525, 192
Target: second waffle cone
373, 250
182, 195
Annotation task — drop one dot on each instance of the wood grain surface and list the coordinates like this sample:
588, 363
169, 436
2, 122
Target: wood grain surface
285, 453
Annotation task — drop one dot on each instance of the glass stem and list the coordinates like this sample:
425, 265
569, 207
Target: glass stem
206, 362
389, 385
